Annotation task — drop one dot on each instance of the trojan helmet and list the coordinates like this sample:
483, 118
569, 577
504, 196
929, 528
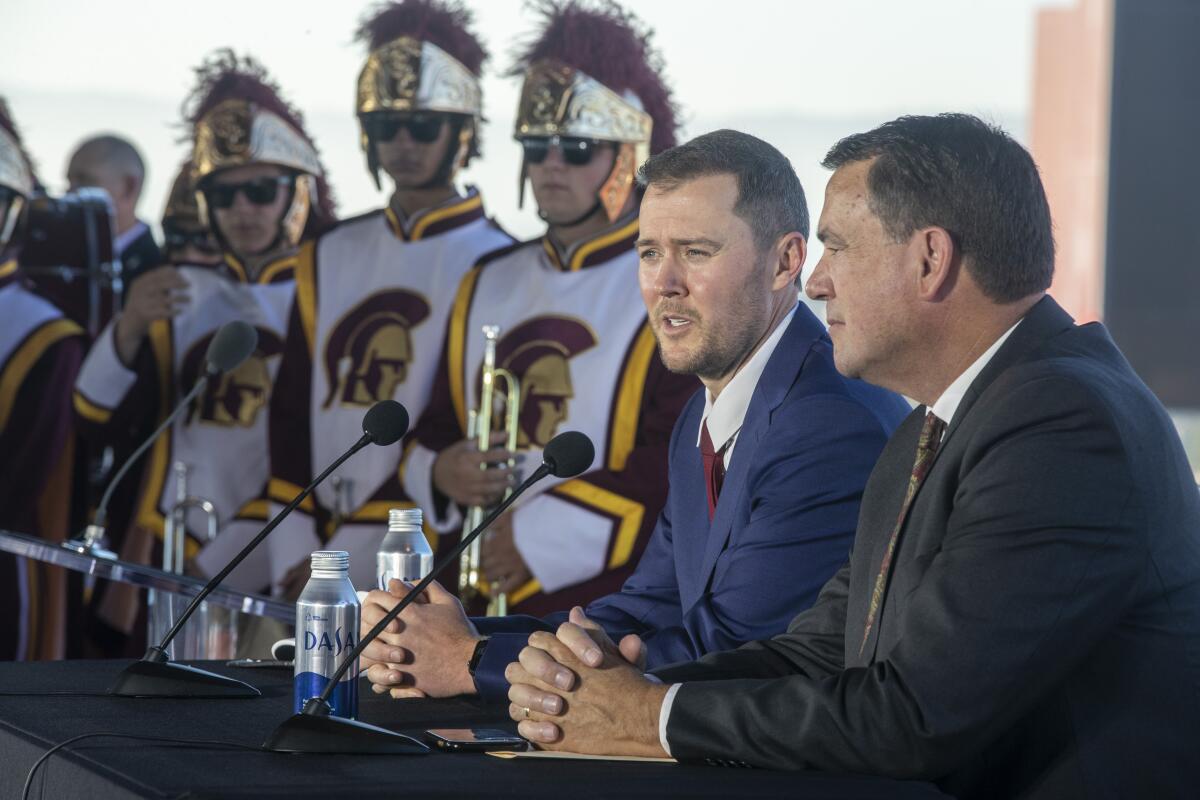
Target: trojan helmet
181, 215
182, 209
238, 118
593, 74
423, 57
15, 174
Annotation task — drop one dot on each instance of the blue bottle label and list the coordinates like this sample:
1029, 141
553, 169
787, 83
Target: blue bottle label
344, 699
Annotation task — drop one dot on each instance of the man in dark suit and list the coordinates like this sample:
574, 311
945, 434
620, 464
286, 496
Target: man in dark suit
1021, 613
112, 163
797, 438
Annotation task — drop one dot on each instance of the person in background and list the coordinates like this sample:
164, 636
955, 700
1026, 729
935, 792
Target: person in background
40, 353
260, 189
572, 329
113, 163
375, 292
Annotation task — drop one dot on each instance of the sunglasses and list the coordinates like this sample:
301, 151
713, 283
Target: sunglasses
260, 191
576, 151
423, 128
200, 240
7, 194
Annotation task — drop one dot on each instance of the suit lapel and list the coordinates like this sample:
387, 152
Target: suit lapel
777, 378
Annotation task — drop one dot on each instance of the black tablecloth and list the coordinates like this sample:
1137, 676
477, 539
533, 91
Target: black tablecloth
116, 768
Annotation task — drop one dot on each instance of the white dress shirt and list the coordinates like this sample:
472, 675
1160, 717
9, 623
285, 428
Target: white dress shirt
944, 408
725, 414
947, 405
122, 242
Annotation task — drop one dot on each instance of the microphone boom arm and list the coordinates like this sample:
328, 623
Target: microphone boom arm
102, 508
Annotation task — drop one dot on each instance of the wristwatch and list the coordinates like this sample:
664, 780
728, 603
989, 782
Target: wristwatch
476, 655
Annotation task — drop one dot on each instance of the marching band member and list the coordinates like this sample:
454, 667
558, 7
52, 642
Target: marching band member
259, 186
40, 352
374, 292
573, 330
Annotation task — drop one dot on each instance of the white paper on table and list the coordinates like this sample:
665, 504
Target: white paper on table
576, 756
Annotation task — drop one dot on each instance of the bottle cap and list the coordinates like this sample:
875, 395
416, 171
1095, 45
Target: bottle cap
331, 561
404, 518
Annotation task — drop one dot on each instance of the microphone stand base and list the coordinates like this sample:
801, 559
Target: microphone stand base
309, 733
168, 679
90, 543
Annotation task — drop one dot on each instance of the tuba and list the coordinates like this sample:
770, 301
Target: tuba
471, 584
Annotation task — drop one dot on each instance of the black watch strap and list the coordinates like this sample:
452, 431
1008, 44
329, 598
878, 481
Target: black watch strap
476, 656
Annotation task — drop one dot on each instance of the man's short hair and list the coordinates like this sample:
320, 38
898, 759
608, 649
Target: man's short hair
770, 197
111, 149
958, 172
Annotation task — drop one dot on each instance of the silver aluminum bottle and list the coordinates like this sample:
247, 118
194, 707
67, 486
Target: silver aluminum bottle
405, 552
327, 619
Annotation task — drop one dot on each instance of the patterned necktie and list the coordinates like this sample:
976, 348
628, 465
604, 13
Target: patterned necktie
714, 469
927, 447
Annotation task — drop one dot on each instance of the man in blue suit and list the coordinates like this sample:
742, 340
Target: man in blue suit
767, 463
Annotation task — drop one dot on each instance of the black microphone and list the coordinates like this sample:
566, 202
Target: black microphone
230, 346
315, 730
156, 676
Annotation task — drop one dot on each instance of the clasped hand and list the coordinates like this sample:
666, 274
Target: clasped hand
422, 653
576, 690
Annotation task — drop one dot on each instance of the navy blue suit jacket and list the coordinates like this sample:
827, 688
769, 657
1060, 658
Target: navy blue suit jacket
784, 522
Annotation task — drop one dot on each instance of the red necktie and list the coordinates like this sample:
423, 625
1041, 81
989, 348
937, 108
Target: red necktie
927, 446
714, 469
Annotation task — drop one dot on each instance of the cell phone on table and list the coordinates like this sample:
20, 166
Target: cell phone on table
260, 663
476, 740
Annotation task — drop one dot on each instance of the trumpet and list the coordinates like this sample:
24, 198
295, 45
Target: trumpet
175, 525
479, 427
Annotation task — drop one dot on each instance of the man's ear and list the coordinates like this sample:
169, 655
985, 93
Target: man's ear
131, 187
939, 258
791, 252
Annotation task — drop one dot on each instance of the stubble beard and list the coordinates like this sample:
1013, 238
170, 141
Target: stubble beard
722, 348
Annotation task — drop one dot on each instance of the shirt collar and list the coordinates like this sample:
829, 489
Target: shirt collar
614, 240
122, 242
946, 405
725, 414
452, 213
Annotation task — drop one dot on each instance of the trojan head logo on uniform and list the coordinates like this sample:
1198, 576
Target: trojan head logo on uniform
235, 397
538, 353
369, 351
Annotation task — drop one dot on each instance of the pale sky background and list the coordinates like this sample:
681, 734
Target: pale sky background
799, 74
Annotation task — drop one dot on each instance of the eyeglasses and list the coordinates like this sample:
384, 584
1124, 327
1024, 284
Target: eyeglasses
576, 151
7, 194
423, 128
199, 240
260, 191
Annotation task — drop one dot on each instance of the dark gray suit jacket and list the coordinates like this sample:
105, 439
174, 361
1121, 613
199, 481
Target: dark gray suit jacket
1040, 633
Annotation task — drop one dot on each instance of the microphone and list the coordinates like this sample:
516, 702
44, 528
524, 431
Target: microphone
315, 730
155, 675
230, 346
